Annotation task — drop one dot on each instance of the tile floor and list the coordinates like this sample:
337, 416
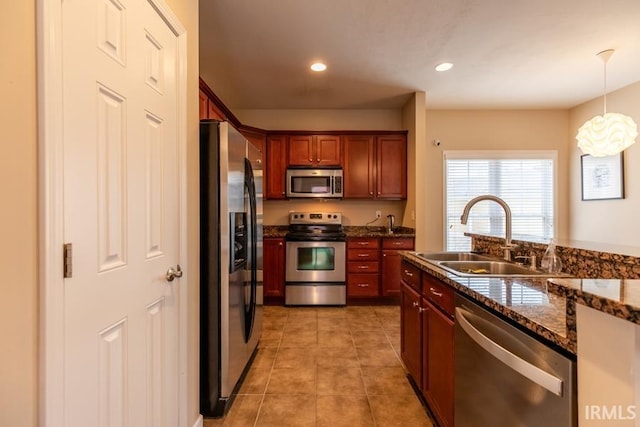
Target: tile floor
327, 366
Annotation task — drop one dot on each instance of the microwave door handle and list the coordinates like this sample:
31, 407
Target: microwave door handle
524, 368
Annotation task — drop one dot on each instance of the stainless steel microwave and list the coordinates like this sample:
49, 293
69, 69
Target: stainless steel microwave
314, 183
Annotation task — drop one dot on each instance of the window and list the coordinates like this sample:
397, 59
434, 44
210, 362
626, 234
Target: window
525, 180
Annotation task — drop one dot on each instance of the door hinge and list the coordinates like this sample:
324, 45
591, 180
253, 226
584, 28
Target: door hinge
67, 255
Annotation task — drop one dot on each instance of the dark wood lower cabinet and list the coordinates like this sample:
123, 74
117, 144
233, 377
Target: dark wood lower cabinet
426, 331
273, 277
438, 356
411, 331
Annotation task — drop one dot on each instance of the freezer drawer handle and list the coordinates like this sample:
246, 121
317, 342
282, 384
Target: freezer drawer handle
524, 368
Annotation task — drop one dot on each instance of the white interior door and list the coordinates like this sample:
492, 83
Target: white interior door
121, 214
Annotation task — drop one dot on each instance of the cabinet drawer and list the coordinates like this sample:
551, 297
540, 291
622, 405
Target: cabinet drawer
363, 255
363, 243
410, 275
438, 293
404, 243
363, 285
363, 267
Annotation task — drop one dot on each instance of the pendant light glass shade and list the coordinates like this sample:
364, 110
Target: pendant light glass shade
610, 133
607, 135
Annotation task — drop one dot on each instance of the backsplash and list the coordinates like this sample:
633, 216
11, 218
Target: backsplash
580, 263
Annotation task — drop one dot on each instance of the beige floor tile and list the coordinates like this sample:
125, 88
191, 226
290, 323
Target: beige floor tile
264, 359
331, 313
335, 339
370, 338
378, 356
400, 411
340, 381
344, 411
304, 339
364, 324
274, 324
342, 357
287, 411
292, 381
255, 381
295, 358
244, 411
300, 324
383, 380
333, 324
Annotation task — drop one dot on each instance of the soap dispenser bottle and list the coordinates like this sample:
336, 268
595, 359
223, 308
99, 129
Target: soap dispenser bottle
551, 262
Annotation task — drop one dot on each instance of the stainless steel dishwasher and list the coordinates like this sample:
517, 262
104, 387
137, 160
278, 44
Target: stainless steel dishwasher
504, 377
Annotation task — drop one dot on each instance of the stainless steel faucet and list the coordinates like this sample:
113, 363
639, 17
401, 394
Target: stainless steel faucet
508, 246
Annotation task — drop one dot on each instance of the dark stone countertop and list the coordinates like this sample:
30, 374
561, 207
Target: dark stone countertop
350, 230
526, 301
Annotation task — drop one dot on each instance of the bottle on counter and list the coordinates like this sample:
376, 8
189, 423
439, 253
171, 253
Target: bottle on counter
551, 262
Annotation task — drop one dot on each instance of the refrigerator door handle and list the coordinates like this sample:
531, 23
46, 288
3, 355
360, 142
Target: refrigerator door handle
524, 368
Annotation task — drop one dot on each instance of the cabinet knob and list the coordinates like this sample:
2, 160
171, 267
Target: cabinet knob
363, 285
378, 193
408, 273
279, 243
415, 303
310, 160
371, 193
434, 292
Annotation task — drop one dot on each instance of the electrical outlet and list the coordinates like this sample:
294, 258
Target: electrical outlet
378, 214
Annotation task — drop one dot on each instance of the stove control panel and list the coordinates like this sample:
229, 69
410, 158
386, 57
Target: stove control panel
315, 218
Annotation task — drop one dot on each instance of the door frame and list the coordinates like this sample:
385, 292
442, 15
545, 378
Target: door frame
51, 212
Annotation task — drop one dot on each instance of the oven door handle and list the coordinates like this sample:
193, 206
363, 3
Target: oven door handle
524, 368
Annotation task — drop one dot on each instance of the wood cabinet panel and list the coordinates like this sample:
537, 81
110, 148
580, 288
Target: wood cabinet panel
363, 285
363, 243
391, 167
439, 359
363, 267
411, 275
438, 293
273, 266
392, 263
276, 167
411, 331
359, 165
315, 150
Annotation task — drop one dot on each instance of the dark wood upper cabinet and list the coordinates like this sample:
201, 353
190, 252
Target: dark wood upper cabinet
375, 167
391, 167
276, 167
314, 150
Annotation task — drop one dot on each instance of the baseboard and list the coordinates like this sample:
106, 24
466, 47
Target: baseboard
199, 422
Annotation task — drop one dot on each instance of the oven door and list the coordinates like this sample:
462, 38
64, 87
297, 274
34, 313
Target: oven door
316, 262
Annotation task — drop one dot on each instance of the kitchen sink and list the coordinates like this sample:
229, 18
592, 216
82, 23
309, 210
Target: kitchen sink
451, 256
468, 264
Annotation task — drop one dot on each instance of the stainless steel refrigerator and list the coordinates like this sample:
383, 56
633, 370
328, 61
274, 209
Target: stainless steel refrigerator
230, 262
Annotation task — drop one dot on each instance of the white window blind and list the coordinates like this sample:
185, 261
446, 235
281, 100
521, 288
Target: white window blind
525, 180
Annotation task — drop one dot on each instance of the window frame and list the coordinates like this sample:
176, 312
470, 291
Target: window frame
499, 155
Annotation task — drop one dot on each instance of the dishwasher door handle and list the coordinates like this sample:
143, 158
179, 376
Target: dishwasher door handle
524, 368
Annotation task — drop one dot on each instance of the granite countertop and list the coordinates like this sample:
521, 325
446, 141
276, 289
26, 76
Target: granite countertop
617, 297
350, 230
526, 301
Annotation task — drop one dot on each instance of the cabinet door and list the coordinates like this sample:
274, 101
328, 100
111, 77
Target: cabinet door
439, 364
391, 167
327, 150
411, 332
276, 167
358, 166
273, 266
301, 151
391, 261
391, 264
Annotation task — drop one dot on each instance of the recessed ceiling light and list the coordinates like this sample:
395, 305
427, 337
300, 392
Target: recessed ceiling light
318, 66
445, 66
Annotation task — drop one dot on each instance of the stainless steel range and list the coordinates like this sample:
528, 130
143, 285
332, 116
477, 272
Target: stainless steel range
316, 255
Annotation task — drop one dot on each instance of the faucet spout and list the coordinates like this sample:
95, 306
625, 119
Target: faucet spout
508, 246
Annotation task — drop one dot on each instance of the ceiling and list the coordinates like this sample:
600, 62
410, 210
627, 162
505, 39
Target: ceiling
255, 54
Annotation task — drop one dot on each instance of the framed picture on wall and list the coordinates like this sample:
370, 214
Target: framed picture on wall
602, 177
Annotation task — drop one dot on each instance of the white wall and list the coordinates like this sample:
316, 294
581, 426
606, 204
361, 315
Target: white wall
606, 221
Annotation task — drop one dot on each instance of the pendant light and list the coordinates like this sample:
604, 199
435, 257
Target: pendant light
610, 133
